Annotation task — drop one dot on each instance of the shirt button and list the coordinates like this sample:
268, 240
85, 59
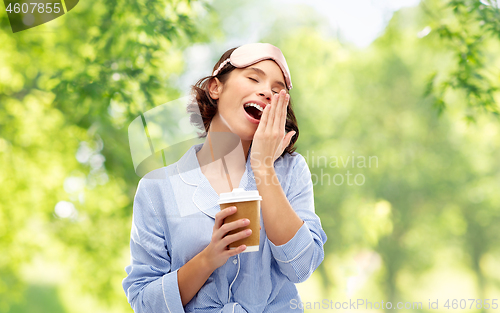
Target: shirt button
235, 261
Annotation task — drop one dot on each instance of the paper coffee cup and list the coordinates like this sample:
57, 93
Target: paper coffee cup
248, 206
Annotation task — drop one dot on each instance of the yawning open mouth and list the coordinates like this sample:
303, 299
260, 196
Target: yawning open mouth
254, 110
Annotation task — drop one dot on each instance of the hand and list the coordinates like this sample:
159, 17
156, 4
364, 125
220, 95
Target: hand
270, 139
217, 252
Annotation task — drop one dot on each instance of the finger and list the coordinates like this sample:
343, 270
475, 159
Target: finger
278, 120
272, 113
264, 117
288, 138
233, 252
227, 227
285, 111
286, 141
221, 215
235, 237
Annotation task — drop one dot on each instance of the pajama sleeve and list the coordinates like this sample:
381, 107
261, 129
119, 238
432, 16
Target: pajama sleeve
300, 256
150, 285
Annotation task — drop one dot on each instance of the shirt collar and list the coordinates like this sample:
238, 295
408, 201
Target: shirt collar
205, 197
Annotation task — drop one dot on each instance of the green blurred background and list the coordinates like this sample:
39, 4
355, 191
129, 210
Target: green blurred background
420, 102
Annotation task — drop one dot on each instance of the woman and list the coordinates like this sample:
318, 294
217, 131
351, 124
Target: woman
180, 261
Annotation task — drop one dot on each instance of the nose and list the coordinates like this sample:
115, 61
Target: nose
266, 94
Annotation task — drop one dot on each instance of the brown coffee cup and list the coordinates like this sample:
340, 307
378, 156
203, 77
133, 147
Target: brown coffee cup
248, 206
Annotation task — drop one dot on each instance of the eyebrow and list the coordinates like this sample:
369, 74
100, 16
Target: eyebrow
258, 70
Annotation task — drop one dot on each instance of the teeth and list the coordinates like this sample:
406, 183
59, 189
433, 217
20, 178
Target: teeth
255, 106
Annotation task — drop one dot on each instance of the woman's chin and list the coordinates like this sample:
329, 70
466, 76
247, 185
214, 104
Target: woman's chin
246, 133
248, 136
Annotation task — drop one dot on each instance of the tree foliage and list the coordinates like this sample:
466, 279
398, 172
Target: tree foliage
471, 29
68, 89
432, 188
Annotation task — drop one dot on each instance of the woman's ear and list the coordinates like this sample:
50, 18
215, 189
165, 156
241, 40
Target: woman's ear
215, 88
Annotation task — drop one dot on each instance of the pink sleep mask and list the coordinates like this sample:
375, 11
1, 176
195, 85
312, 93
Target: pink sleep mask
252, 53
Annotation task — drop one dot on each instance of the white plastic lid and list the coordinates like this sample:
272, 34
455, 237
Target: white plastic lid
238, 195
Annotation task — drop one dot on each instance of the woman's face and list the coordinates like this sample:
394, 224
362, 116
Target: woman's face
255, 83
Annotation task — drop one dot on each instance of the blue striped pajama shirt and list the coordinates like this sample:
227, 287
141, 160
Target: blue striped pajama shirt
173, 218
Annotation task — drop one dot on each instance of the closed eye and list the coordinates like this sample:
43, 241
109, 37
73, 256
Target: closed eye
258, 81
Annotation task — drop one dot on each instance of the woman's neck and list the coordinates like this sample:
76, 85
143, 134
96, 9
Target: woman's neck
226, 146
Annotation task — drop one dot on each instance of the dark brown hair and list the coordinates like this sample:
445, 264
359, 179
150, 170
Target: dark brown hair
208, 107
